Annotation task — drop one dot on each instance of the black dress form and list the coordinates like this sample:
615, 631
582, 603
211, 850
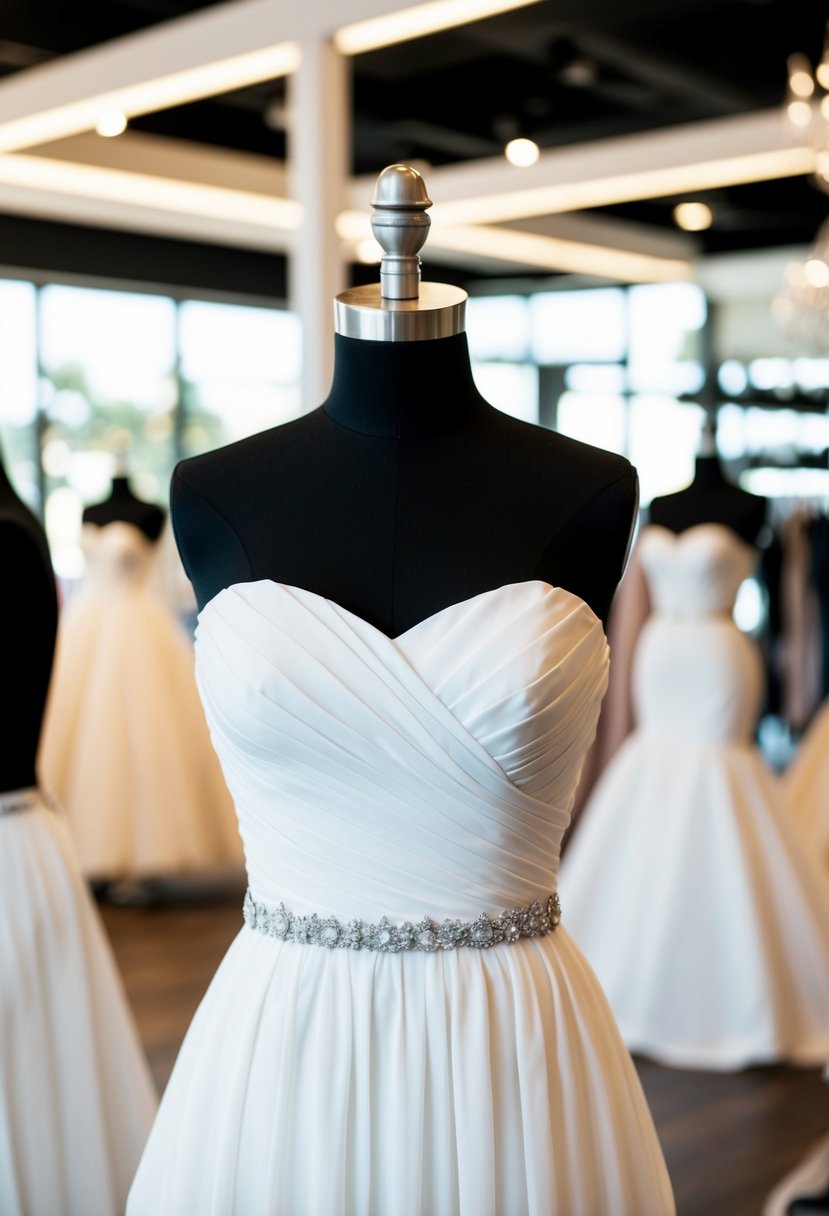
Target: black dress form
124, 506
28, 625
711, 499
404, 493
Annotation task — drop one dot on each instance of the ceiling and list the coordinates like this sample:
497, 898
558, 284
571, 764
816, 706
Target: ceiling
561, 72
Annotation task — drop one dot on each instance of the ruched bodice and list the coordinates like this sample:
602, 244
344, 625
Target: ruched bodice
695, 573
696, 677
429, 775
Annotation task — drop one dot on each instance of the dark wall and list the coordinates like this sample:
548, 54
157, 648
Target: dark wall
177, 266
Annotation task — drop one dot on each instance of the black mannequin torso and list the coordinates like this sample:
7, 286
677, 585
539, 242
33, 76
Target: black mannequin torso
404, 493
124, 506
711, 499
28, 625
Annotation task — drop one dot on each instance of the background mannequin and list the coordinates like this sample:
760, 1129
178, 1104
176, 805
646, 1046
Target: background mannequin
710, 498
124, 506
28, 624
76, 1099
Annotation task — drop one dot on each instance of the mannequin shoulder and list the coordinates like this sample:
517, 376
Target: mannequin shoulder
214, 496
565, 473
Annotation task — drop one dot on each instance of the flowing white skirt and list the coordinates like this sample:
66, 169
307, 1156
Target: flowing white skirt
76, 1098
318, 1082
806, 787
706, 921
125, 744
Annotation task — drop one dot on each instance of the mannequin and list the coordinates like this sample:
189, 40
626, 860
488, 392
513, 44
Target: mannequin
405, 491
361, 778
124, 506
28, 624
711, 498
76, 1095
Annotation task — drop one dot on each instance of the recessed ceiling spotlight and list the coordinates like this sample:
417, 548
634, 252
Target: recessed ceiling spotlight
522, 152
693, 217
111, 123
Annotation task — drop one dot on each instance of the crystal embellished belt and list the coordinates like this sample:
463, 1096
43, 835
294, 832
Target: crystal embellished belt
14, 801
533, 921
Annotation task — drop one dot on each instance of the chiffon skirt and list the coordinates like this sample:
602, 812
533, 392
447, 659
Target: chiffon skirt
320, 1082
76, 1098
125, 745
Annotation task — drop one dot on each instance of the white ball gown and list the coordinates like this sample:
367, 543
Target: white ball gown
76, 1098
426, 777
706, 921
806, 787
125, 745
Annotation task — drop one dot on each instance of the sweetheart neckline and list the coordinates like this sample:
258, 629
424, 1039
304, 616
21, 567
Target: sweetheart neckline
522, 584
680, 538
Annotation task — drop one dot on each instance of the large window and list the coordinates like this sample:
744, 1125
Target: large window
90, 378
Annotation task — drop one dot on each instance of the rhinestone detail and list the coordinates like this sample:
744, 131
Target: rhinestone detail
427, 935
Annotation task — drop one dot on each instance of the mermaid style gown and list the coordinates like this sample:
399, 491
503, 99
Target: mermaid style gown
705, 919
402, 794
125, 745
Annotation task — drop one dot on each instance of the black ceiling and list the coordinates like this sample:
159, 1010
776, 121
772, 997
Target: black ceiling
560, 71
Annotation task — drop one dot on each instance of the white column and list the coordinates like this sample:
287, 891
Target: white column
319, 154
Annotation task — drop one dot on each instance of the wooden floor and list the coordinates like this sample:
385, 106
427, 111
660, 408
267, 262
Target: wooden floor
727, 1137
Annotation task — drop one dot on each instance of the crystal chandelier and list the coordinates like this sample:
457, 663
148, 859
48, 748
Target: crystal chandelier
807, 108
801, 307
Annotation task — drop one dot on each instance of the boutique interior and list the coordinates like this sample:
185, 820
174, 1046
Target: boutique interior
327, 822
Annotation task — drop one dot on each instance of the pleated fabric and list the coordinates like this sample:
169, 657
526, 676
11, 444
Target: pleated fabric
806, 788
706, 920
430, 776
125, 745
76, 1098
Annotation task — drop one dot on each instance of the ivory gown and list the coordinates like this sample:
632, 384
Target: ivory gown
430, 776
685, 883
125, 745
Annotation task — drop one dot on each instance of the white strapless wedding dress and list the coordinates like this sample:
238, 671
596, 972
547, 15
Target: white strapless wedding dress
125, 745
76, 1098
423, 779
685, 885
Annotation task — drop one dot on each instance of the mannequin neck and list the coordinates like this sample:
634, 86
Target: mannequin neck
121, 488
403, 389
708, 471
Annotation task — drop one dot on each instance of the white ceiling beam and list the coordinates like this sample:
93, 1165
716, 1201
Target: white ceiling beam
177, 159
203, 54
653, 164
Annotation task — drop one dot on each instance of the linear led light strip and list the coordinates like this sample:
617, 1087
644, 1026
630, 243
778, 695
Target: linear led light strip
624, 188
553, 253
175, 88
417, 22
537, 250
144, 190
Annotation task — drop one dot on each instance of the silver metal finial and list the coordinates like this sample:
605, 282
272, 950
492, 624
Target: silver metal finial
400, 308
400, 225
